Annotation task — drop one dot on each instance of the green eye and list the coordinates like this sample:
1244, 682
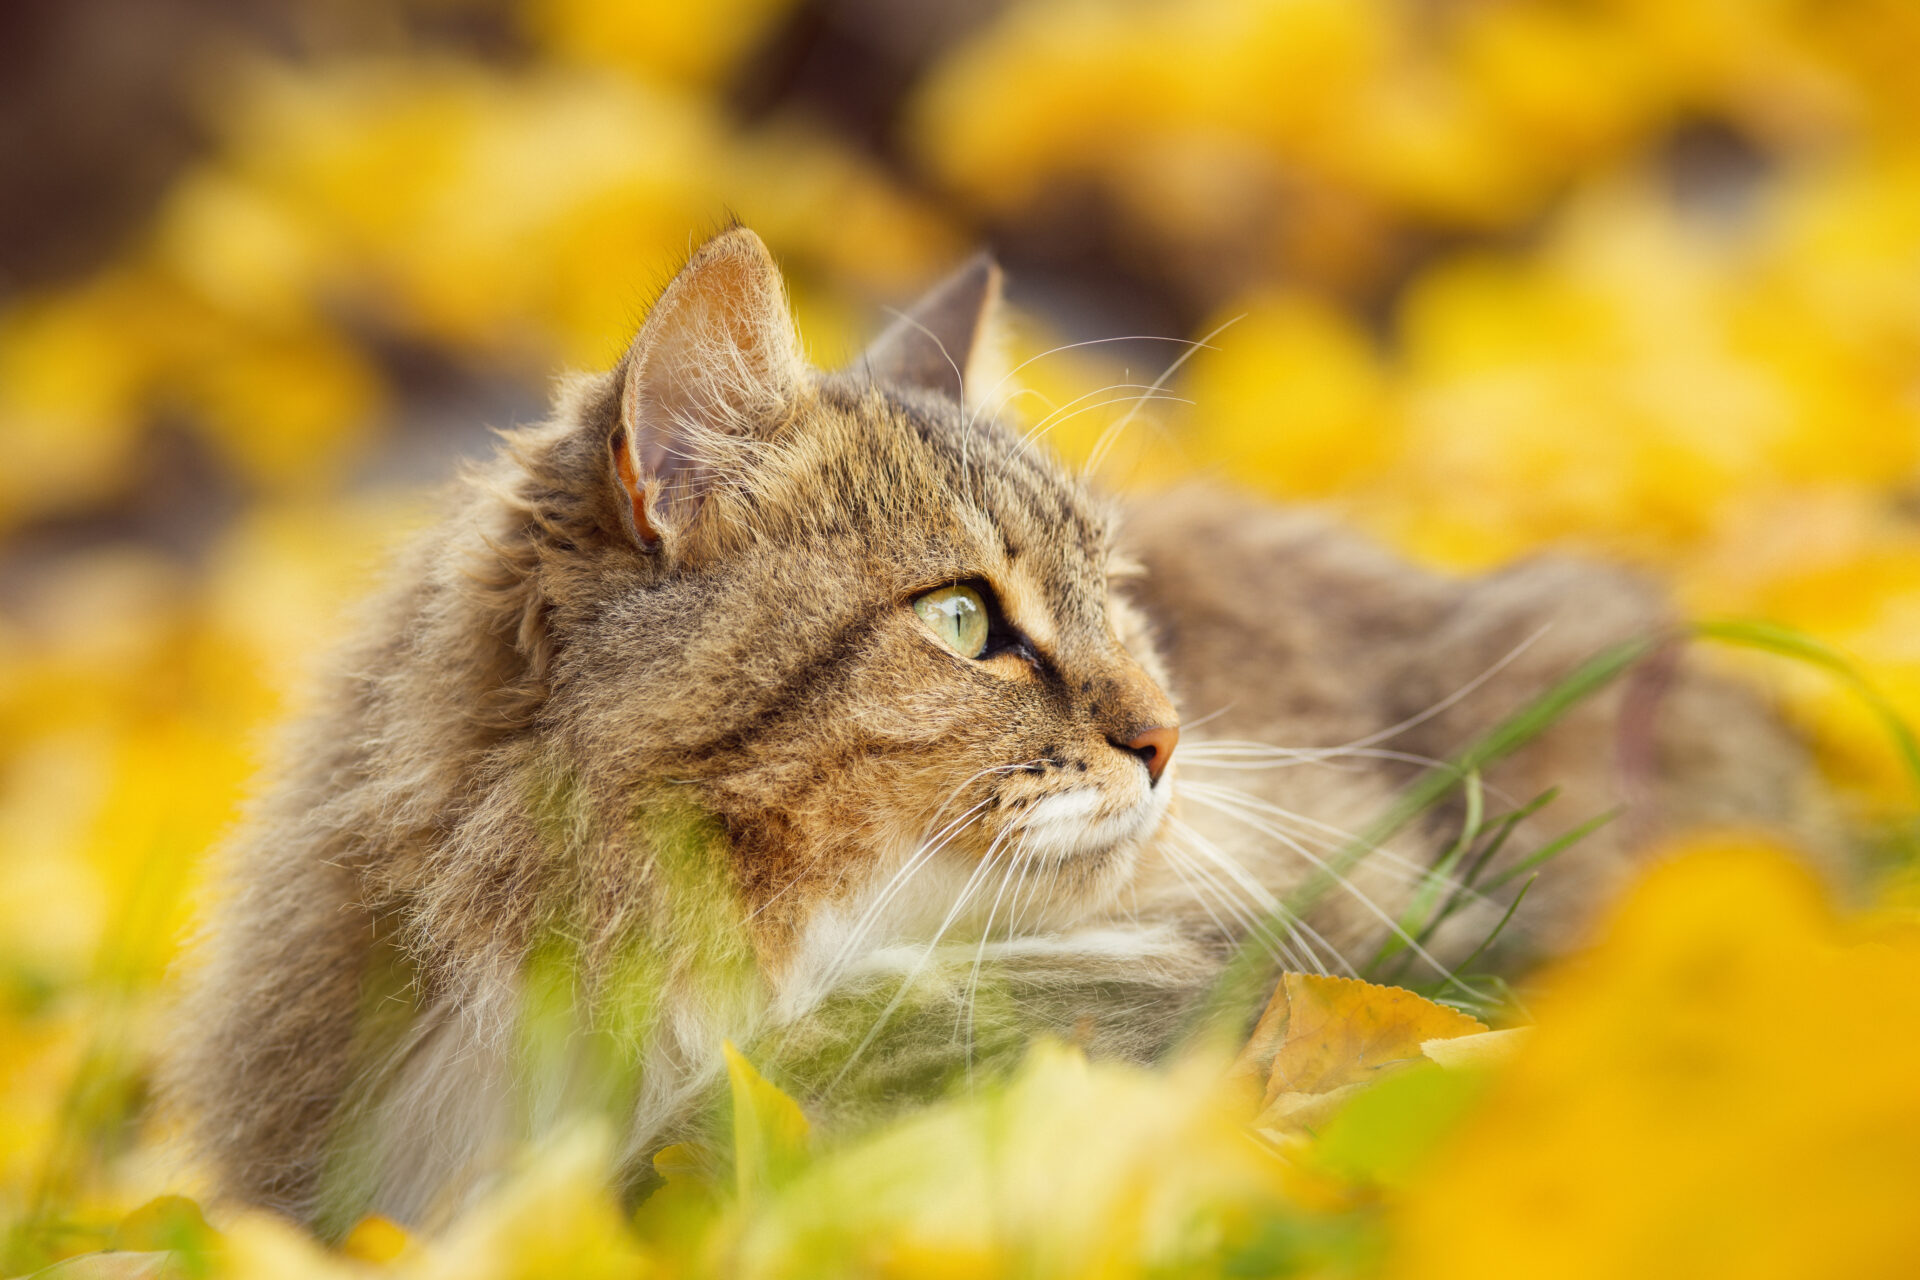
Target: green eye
958, 616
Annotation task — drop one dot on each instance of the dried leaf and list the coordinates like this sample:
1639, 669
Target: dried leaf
1325, 1034
1306, 1110
1255, 1062
1488, 1049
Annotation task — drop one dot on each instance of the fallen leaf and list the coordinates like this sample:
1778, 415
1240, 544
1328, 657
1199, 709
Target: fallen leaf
1320, 1039
1296, 1110
1255, 1062
1487, 1049
1341, 1031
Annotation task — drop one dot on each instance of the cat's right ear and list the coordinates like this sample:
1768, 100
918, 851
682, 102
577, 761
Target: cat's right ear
945, 342
717, 362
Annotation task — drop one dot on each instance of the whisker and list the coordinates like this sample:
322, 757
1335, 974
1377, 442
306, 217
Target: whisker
857, 936
1196, 877
1041, 426
980, 404
1188, 726
1246, 757
1297, 928
1182, 865
917, 853
1404, 869
926, 957
1067, 412
1408, 940
1111, 435
1278, 948
1452, 699
1201, 750
969, 1003
1260, 896
1240, 749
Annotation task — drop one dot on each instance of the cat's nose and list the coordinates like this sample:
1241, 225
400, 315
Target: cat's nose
1154, 747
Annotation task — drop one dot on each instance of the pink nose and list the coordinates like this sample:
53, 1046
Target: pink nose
1154, 747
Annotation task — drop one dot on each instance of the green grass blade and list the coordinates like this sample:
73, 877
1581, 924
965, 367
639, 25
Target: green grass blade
1494, 936
1553, 849
1249, 972
1787, 642
1421, 914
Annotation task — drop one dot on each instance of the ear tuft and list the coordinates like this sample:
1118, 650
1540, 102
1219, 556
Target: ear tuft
943, 343
717, 361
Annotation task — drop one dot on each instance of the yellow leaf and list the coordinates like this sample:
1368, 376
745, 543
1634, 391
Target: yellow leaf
769, 1129
1325, 1034
1723, 1086
376, 1239
1472, 1052
165, 1222
1294, 1110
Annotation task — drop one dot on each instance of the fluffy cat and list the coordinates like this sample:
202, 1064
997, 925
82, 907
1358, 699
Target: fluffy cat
719, 698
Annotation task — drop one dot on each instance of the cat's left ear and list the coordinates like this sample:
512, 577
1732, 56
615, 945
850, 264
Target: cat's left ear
946, 342
717, 362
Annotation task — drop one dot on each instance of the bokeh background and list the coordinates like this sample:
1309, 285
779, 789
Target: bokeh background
1638, 278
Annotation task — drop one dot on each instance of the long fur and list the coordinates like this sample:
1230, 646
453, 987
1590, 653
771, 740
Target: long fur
652, 750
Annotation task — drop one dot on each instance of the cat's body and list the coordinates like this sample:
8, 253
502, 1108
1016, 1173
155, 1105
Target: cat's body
648, 734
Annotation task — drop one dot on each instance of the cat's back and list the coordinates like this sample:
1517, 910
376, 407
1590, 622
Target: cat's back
1282, 630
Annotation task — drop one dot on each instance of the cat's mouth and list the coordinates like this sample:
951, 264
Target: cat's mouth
1086, 822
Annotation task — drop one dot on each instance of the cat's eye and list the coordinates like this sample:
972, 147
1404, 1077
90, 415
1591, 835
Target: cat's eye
958, 616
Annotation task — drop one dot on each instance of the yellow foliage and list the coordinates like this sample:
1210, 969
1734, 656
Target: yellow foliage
1468, 300
1076, 1169
1332, 1032
769, 1129
1723, 1086
1294, 398
691, 42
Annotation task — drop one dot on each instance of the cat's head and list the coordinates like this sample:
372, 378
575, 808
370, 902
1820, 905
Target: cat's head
864, 625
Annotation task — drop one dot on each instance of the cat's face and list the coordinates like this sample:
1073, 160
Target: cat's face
868, 630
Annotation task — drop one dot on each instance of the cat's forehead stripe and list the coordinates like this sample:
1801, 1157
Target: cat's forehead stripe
1012, 477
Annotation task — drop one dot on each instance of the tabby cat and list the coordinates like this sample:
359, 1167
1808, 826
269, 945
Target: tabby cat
826, 713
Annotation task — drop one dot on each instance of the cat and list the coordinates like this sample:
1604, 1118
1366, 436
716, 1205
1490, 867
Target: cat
827, 713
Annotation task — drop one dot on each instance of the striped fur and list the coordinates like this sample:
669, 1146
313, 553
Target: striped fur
644, 737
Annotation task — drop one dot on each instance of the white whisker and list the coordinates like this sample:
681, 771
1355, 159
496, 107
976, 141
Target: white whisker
967, 1003
906, 983
1196, 877
994, 390
1262, 899
1067, 412
1267, 828
1111, 435
1403, 869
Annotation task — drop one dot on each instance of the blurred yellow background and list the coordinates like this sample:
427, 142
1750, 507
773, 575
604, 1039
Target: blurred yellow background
1639, 278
